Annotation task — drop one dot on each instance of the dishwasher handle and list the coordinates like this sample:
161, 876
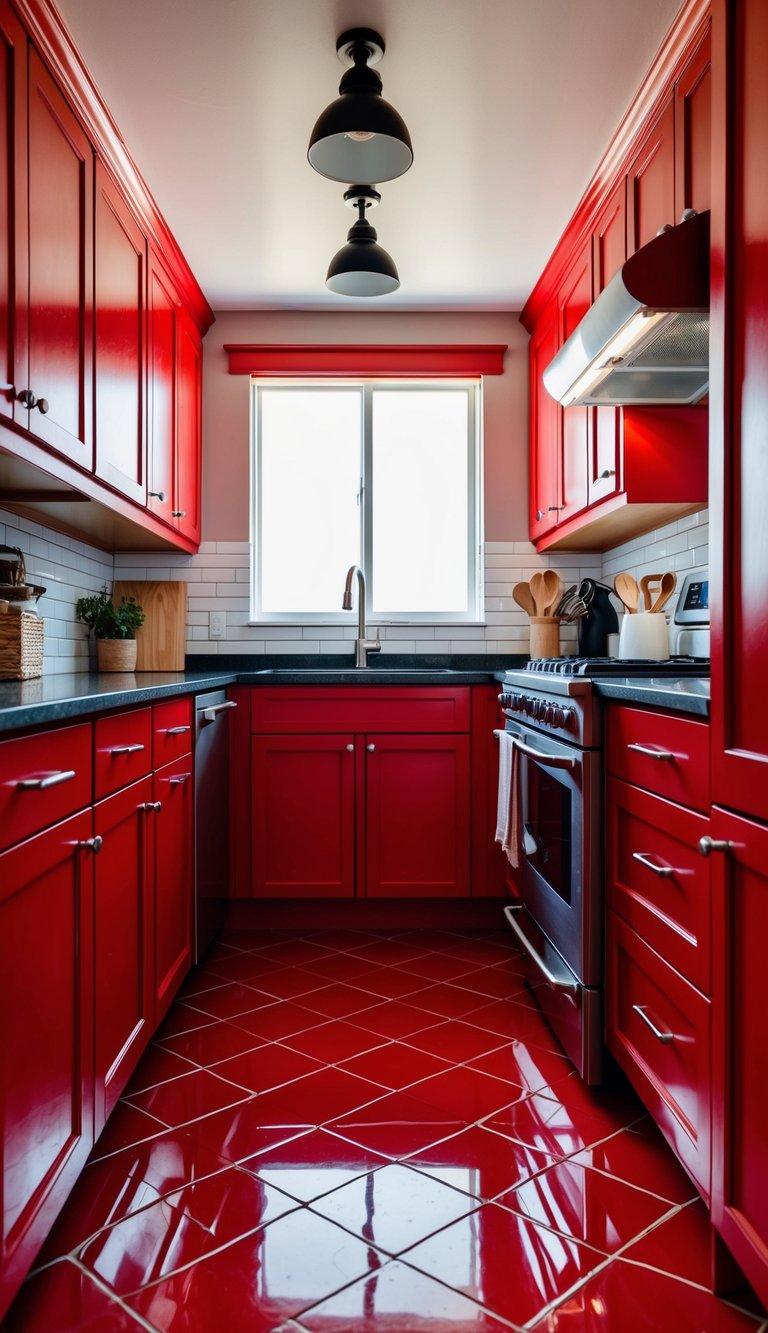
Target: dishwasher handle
210, 714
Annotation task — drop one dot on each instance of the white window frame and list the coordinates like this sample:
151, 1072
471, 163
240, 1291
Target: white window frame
474, 613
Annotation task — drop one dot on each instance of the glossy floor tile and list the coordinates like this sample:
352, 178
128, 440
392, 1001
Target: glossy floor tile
373, 1132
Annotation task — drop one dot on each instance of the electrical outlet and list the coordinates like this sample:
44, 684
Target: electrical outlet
217, 622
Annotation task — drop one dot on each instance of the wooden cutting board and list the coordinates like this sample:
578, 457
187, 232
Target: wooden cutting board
161, 641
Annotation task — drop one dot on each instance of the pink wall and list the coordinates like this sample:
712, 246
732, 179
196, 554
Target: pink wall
226, 409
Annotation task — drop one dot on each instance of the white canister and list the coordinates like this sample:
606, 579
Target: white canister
644, 635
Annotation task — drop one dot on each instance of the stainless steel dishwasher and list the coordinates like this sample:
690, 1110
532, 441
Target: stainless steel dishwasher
212, 724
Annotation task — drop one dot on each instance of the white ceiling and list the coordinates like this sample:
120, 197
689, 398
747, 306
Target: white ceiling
510, 104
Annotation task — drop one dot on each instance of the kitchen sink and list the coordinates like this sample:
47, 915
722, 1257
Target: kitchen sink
357, 673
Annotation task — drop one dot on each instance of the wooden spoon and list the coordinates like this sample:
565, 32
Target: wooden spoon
545, 588
649, 587
524, 597
667, 586
626, 589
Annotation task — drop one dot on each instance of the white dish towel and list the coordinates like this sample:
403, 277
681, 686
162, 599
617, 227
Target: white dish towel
507, 819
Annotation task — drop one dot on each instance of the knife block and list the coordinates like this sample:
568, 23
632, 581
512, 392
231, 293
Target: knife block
545, 636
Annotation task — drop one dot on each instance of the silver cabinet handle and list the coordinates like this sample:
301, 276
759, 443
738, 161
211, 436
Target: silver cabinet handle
653, 751
662, 870
370, 748
607, 472
177, 781
126, 749
566, 983
177, 731
151, 806
351, 749
157, 495
540, 515
178, 513
42, 784
210, 714
708, 845
550, 760
93, 844
664, 1037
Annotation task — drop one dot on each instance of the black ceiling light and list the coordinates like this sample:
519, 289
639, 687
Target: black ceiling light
361, 267
360, 137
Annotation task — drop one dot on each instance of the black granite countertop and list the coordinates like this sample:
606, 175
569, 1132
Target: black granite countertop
57, 698
682, 695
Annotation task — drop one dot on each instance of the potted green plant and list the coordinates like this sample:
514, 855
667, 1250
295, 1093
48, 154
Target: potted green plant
113, 627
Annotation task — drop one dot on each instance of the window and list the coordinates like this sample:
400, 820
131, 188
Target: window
383, 475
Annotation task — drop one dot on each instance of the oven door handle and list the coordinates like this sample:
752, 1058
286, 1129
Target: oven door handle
550, 760
566, 983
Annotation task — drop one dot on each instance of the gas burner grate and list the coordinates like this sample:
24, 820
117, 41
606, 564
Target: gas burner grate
614, 666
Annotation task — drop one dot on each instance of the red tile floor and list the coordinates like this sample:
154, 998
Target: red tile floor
378, 1132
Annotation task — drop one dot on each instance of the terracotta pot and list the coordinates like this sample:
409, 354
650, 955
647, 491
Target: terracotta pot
116, 654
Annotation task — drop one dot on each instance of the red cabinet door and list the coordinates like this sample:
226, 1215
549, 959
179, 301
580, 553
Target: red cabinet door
303, 815
609, 250
173, 879
120, 319
60, 329
574, 300
651, 182
417, 816
546, 425
46, 1055
13, 202
122, 906
189, 380
740, 1044
163, 303
693, 138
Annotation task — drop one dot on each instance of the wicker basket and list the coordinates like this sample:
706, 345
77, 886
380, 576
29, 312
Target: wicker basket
21, 646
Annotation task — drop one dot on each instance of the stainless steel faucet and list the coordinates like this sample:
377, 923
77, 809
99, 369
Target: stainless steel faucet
363, 646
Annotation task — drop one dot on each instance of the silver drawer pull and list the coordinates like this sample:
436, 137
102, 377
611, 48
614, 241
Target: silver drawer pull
567, 984
93, 844
653, 751
664, 1037
177, 731
182, 777
42, 784
210, 714
663, 871
126, 749
151, 806
708, 845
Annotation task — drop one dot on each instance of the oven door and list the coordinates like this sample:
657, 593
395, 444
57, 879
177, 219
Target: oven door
559, 795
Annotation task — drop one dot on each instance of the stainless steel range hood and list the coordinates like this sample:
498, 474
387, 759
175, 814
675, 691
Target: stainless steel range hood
646, 337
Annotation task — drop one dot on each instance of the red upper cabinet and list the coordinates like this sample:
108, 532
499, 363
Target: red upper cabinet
693, 137
189, 380
13, 201
55, 363
163, 305
609, 250
651, 182
546, 431
573, 301
121, 333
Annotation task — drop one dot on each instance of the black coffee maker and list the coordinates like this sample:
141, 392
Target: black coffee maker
598, 621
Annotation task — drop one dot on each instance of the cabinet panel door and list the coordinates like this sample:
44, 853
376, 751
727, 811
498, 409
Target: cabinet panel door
546, 425
163, 304
13, 204
651, 182
46, 1055
189, 382
173, 879
122, 985
693, 138
609, 250
60, 271
120, 319
740, 1045
417, 816
303, 815
574, 300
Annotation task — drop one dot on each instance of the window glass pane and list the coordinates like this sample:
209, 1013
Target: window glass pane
420, 500
309, 518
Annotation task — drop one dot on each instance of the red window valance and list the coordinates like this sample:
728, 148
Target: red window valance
367, 361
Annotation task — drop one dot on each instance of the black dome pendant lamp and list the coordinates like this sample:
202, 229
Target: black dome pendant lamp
360, 137
362, 267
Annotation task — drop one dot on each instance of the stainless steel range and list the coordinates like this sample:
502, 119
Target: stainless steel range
555, 719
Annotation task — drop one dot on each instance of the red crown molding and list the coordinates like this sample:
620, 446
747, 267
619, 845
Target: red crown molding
55, 43
367, 361
687, 30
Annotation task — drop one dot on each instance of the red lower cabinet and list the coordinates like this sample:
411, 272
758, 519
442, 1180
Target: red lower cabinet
122, 983
46, 1060
172, 874
740, 1043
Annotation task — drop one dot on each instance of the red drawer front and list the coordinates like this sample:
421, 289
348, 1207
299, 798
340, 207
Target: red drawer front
292, 709
43, 778
172, 723
123, 749
671, 1070
657, 880
661, 752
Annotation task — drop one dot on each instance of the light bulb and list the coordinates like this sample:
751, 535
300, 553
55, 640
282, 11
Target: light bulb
360, 136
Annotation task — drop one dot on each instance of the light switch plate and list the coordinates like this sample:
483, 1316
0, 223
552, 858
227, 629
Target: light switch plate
217, 623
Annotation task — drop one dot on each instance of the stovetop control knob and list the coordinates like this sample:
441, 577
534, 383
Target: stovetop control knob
549, 715
541, 710
530, 704
558, 716
569, 717
505, 700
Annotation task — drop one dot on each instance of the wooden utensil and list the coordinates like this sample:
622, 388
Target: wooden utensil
524, 597
649, 587
626, 589
667, 586
545, 588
